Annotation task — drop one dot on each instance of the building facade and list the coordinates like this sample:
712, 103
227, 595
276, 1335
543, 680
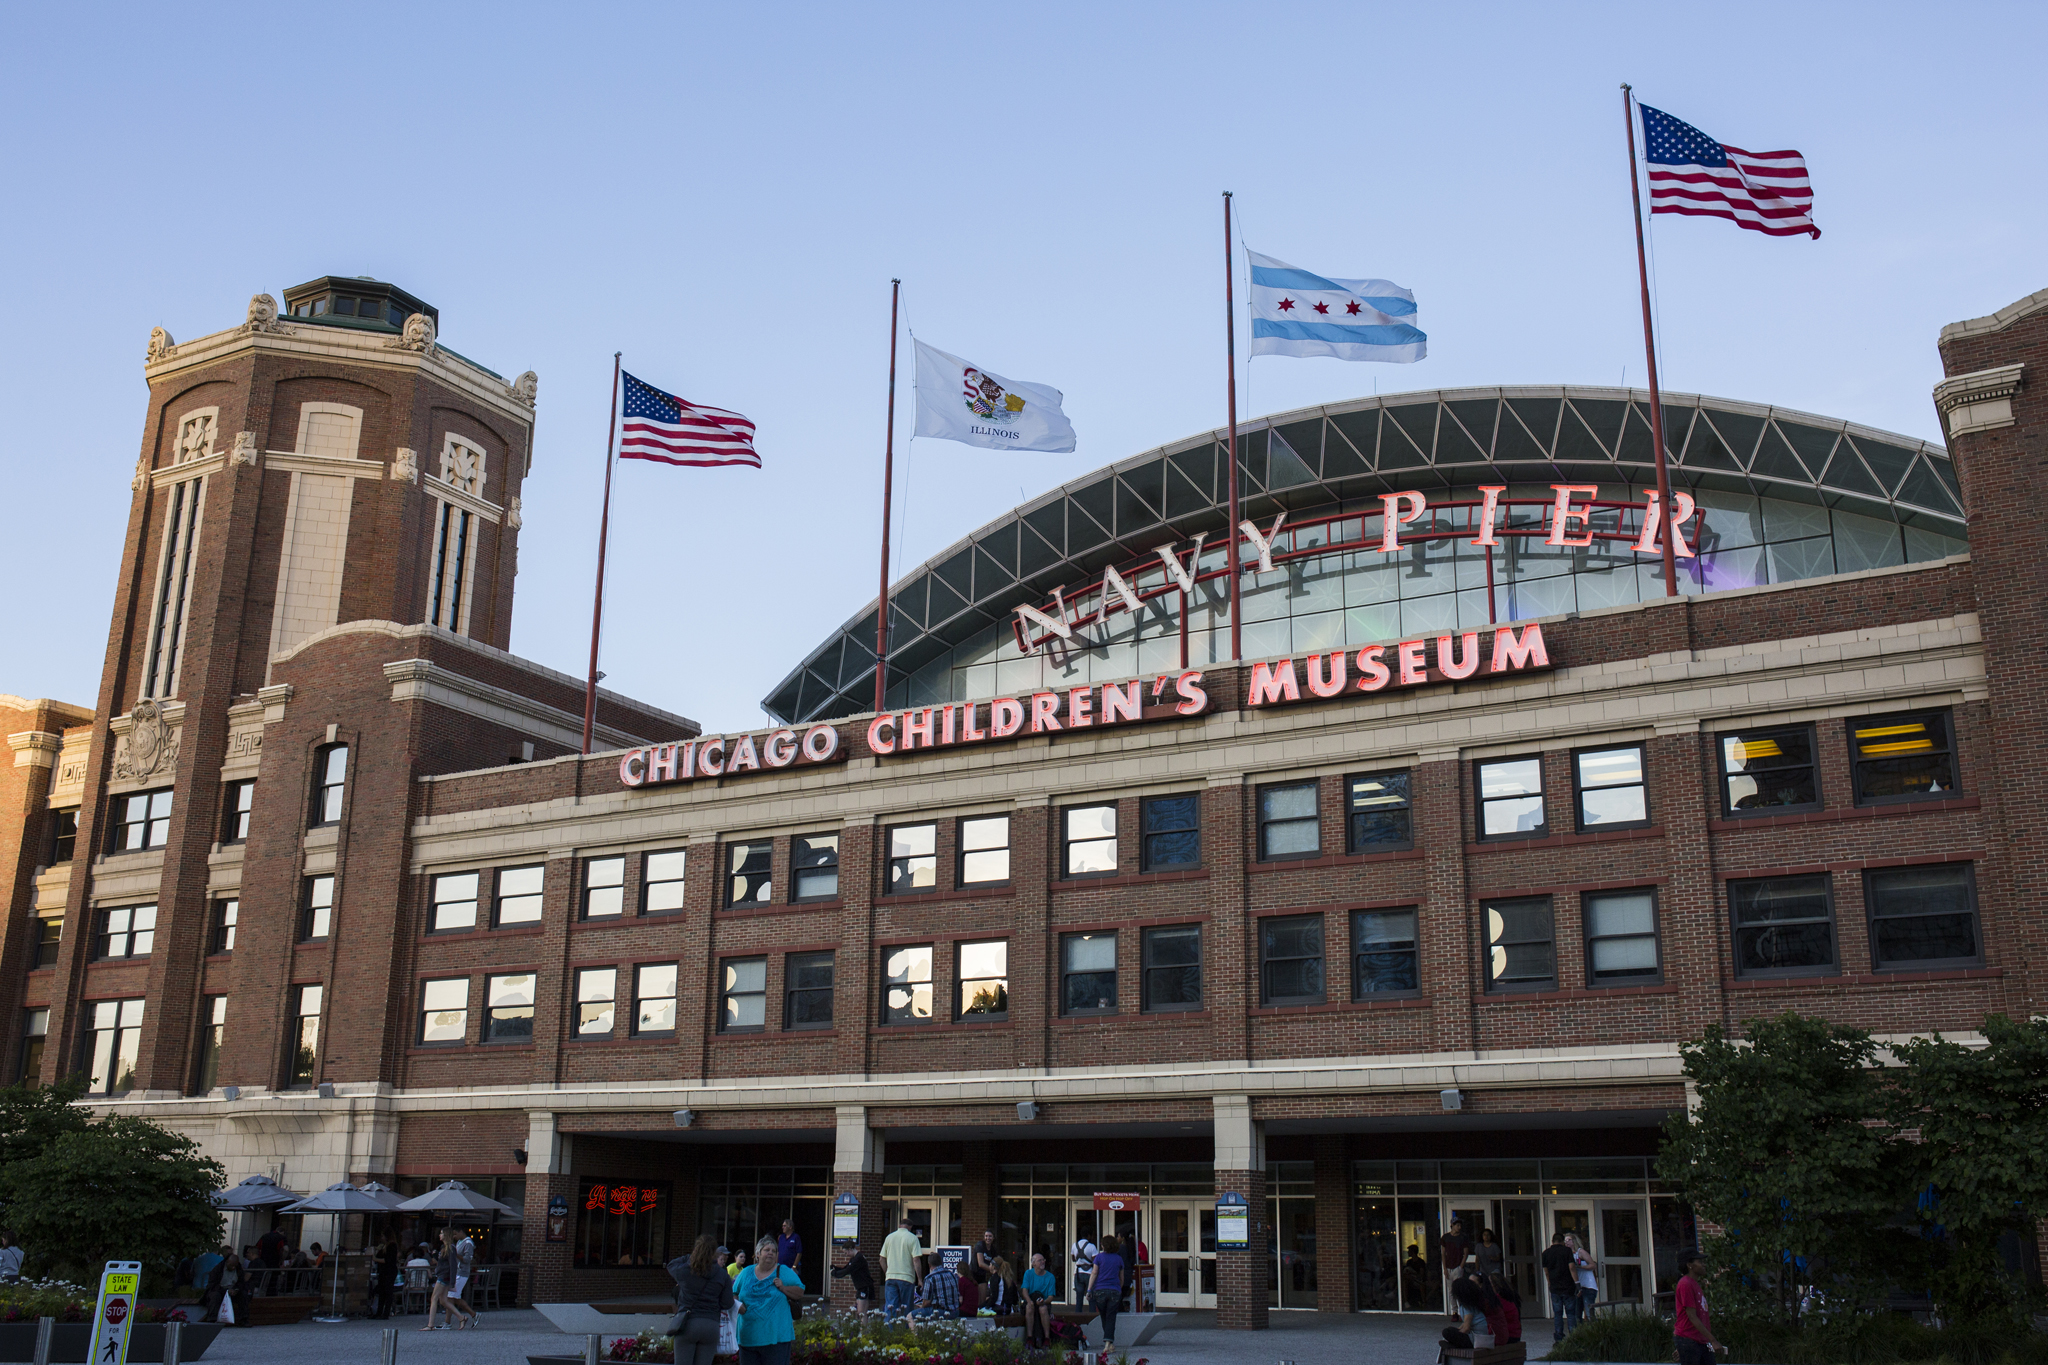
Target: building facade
1402, 919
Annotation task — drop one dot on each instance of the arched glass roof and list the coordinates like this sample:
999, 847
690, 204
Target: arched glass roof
1807, 484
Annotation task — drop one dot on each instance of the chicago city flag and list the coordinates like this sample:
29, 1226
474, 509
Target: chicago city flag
957, 401
1297, 313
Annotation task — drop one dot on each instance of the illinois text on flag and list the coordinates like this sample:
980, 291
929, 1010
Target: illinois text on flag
661, 426
1691, 173
1298, 313
957, 401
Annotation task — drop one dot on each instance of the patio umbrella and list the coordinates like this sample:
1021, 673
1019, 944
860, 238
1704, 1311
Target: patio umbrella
452, 1196
257, 1192
342, 1199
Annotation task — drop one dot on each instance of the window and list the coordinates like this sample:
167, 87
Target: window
1173, 967
454, 902
141, 820
604, 888
35, 1031
225, 913
519, 896
113, 1041
1088, 973
1172, 832
508, 1005
129, 931
1510, 797
1610, 787
907, 985
454, 530
743, 996
985, 850
1621, 938
236, 803
1922, 916
1384, 957
174, 573
1378, 813
444, 1012
913, 859
1521, 954
1287, 822
49, 937
1088, 836
63, 836
815, 866
661, 882
654, 999
1902, 758
1291, 960
984, 977
1784, 926
1769, 770
807, 987
330, 777
213, 1025
597, 990
621, 1223
748, 868
318, 914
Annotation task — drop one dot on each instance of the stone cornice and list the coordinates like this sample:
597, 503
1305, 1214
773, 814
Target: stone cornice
1998, 321
435, 486
35, 748
425, 680
192, 469
1999, 382
299, 463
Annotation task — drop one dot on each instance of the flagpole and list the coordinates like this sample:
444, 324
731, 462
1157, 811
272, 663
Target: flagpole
888, 481
1665, 532
1230, 353
604, 531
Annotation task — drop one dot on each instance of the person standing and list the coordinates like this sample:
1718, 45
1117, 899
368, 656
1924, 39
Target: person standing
11, 1257
1082, 1255
1454, 1248
1106, 1289
703, 1294
271, 1248
1588, 1271
766, 1289
465, 1271
856, 1270
1694, 1329
900, 1252
1491, 1260
789, 1247
1565, 1302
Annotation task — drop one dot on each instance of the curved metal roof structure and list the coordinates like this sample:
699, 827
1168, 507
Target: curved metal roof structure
1348, 454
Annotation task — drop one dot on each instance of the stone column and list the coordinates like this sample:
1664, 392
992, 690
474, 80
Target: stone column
857, 1156
1241, 1300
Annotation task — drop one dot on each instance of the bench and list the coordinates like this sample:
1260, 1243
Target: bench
1514, 1353
273, 1310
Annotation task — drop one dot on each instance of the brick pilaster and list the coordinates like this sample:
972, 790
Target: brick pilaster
1333, 1225
1241, 1300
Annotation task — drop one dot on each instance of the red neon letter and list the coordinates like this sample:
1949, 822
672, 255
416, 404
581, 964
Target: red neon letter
821, 742
1325, 675
946, 727
704, 751
661, 763
1120, 703
1649, 544
1391, 523
1468, 645
1510, 653
629, 774
1005, 717
969, 731
1043, 704
779, 749
1193, 699
876, 744
1272, 685
1486, 509
915, 730
1413, 669
1564, 512
1372, 674
744, 759
1080, 707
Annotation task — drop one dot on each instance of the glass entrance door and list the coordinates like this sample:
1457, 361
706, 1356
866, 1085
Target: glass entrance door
1519, 1220
925, 1217
1086, 1222
1184, 1251
1621, 1252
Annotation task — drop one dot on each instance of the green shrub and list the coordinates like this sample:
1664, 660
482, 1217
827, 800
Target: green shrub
1640, 1337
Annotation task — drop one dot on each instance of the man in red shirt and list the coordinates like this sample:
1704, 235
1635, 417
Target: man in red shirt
1454, 1248
1694, 1328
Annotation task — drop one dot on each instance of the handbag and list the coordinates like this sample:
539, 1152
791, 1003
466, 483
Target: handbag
677, 1324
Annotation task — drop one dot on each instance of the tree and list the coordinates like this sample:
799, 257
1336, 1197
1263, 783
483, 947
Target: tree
122, 1189
32, 1117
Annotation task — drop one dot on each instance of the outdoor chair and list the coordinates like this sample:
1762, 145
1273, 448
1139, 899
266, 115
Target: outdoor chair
486, 1292
418, 1291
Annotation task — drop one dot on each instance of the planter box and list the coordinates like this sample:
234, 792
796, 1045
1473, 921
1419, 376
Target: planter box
71, 1340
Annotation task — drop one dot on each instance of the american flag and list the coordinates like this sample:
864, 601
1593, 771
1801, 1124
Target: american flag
1691, 173
661, 426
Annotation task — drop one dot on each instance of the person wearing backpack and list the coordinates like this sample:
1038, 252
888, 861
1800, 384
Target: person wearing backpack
1083, 1256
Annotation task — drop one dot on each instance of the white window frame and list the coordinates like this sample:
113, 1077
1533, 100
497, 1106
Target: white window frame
306, 413
444, 510
163, 682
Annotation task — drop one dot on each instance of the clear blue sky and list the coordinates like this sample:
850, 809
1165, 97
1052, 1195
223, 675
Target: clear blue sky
724, 191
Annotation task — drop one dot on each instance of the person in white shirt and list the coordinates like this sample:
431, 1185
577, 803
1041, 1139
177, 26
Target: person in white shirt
1082, 1255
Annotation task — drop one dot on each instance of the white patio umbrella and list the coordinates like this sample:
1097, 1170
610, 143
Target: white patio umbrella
452, 1196
342, 1199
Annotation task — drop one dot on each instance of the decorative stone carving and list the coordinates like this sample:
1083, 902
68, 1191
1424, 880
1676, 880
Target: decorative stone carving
195, 438
245, 744
245, 447
71, 772
150, 746
406, 466
462, 467
419, 335
161, 347
524, 388
263, 316
513, 518
141, 474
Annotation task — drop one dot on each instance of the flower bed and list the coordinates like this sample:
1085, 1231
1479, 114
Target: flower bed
28, 1300
849, 1339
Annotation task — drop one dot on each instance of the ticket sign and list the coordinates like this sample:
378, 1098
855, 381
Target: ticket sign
1233, 1223
846, 1221
1115, 1201
114, 1314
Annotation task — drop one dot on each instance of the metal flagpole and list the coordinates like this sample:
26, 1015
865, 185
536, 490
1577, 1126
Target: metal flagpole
1628, 116
888, 481
1230, 351
604, 531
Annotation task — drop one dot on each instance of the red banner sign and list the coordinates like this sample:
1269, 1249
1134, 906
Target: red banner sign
1116, 1201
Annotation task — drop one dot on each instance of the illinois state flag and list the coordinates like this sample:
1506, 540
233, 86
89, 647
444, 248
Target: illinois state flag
957, 401
1298, 313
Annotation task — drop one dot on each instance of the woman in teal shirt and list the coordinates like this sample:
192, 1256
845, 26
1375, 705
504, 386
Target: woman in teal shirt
1039, 1288
766, 1289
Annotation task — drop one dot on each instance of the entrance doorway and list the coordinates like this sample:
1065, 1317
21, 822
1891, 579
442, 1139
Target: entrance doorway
1575, 1220
928, 1219
1184, 1253
1087, 1222
1621, 1252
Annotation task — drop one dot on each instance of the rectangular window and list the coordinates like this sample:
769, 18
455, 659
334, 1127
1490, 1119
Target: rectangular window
1172, 833
1769, 770
624, 1223
1288, 825
1088, 973
454, 529
661, 882
225, 913
129, 931
49, 937
1610, 789
654, 999
907, 985
1385, 959
519, 895
305, 1037
317, 914
807, 990
743, 995
63, 836
141, 820
1173, 967
748, 871
113, 1041
213, 1027
1621, 938
604, 888
236, 803
815, 869
985, 850
330, 780
508, 1001
1088, 841
454, 902
444, 1012
1291, 960
983, 972
1922, 917
173, 587
1521, 948
913, 859
597, 990
1510, 797
1378, 813
1784, 926
35, 1032
1903, 757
